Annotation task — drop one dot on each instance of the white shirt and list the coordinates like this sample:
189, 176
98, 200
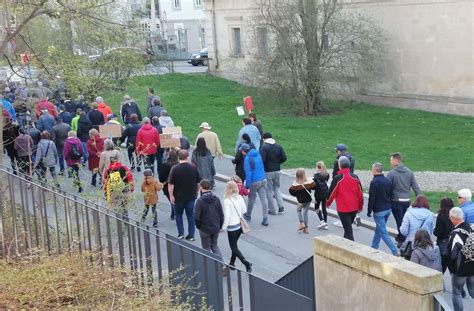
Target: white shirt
234, 208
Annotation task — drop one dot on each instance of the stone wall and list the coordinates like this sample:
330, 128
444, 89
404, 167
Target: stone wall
430, 62
352, 276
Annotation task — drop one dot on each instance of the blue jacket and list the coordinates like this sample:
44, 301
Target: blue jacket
379, 194
253, 133
253, 166
46, 123
413, 220
468, 209
9, 108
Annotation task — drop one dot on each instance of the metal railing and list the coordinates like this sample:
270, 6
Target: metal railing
37, 216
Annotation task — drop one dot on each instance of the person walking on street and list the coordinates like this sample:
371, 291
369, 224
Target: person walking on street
107, 154
321, 189
183, 186
209, 218
150, 187
251, 130
46, 123
212, 140
460, 266
466, 204
75, 119
128, 108
255, 181
95, 146
95, 116
443, 229
73, 153
346, 189
301, 189
84, 125
379, 204
151, 97
23, 146
164, 173
130, 136
204, 161
64, 115
103, 107
273, 156
147, 143
165, 120
118, 184
256, 123
402, 181
424, 252
46, 158
239, 157
61, 130
155, 110
234, 209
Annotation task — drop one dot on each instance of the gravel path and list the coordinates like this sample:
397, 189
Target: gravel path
428, 181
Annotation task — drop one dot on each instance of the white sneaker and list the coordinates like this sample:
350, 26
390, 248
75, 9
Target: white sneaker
338, 224
321, 225
326, 227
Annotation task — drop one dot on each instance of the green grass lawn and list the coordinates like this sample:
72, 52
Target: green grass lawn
429, 141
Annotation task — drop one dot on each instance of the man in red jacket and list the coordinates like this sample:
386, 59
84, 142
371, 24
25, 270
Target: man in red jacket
346, 189
148, 141
46, 105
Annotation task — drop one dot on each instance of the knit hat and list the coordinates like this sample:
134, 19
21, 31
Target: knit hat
267, 135
148, 172
244, 147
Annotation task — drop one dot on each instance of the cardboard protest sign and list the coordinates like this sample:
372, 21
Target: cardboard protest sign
110, 130
240, 110
170, 137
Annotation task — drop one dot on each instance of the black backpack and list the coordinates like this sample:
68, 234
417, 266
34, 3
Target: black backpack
76, 153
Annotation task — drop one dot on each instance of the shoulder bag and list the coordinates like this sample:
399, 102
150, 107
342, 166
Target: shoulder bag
407, 246
243, 224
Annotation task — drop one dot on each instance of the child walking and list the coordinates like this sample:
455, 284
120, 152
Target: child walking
150, 187
301, 189
320, 193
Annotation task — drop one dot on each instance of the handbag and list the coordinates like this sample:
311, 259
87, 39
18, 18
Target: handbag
244, 226
407, 246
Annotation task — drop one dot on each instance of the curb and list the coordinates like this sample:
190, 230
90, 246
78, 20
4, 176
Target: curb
287, 198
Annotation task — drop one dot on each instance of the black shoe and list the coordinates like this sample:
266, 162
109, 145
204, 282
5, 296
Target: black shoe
231, 267
248, 267
272, 213
155, 225
180, 237
139, 169
80, 189
189, 238
281, 209
172, 217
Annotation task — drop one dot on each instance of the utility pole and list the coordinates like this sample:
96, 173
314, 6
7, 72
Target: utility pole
153, 29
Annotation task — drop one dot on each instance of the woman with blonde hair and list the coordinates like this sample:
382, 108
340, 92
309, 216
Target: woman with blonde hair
234, 209
301, 189
321, 189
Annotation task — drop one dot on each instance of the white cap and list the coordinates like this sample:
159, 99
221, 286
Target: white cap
465, 193
205, 125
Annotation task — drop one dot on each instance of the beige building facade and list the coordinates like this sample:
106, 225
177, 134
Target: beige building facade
430, 61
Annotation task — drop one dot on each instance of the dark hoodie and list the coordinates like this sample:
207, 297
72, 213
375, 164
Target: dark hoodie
429, 257
84, 125
403, 180
208, 214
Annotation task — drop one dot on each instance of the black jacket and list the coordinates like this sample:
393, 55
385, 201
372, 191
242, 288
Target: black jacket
272, 155
130, 133
66, 117
443, 227
457, 261
302, 195
128, 109
208, 214
83, 127
321, 186
379, 195
239, 162
70, 106
97, 118
336, 164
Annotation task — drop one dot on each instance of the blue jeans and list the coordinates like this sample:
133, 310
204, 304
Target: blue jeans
398, 210
60, 158
187, 207
458, 283
381, 233
85, 155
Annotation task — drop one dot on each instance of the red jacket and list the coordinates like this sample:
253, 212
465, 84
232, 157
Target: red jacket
105, 110
127, 179
94, 151
44, 104
346, 189
148, 140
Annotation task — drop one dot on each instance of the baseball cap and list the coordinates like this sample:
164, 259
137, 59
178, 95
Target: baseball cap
244, 147
340, 147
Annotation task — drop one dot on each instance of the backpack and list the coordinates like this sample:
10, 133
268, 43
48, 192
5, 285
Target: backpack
468, 248
76, 153
115, 181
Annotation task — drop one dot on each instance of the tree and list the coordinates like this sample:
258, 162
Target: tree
314, 49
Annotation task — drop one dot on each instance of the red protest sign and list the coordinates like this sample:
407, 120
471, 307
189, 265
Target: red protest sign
248, 103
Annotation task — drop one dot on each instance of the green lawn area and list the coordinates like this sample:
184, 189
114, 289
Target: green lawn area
429, 141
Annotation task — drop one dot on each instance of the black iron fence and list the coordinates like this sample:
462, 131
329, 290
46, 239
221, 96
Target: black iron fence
37, 216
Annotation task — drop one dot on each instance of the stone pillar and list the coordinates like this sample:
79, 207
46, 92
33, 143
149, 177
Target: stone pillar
352, 276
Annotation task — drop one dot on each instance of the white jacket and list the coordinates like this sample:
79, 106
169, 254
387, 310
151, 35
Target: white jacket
232, 214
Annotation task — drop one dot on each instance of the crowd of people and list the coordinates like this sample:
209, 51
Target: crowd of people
44, 129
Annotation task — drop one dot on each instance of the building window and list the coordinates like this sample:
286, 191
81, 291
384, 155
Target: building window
177, 4
236, 42
262, 38
197, 3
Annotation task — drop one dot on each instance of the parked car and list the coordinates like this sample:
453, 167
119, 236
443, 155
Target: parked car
200, 58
